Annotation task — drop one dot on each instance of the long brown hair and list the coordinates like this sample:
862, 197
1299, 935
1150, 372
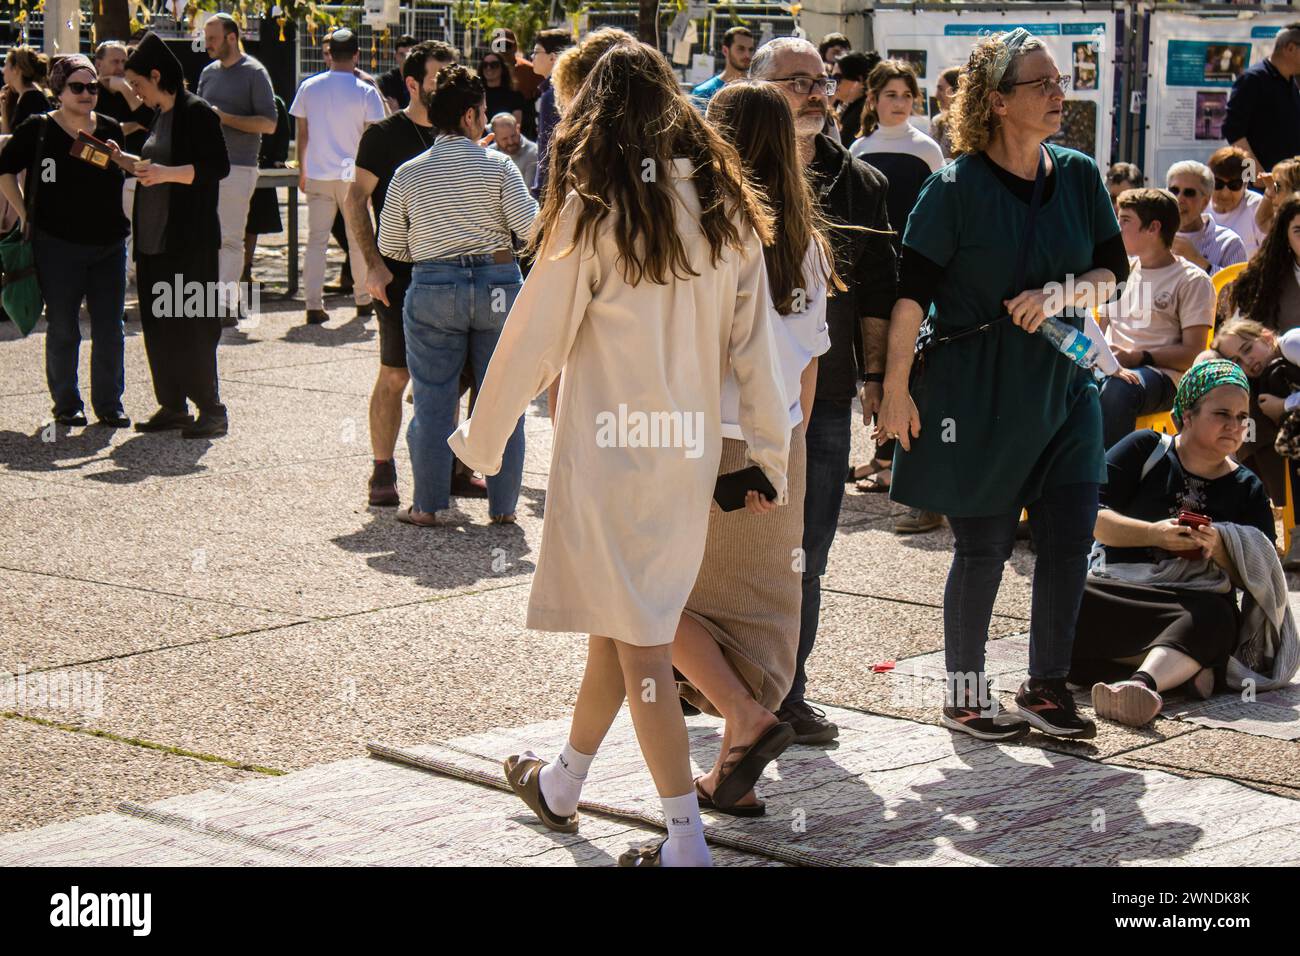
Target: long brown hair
877, 80
755, 118
1257, 291
615, 148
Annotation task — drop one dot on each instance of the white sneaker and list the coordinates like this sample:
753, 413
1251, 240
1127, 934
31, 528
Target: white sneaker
1129, 702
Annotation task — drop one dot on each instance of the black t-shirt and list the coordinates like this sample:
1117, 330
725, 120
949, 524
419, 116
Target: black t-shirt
386, 145
502, 100
86, 207
393, 86
32, 103
112, 103
1237, 498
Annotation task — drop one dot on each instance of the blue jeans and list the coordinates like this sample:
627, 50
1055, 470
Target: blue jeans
1062, 522
455, 308
828, 438
1123, 403
69, 272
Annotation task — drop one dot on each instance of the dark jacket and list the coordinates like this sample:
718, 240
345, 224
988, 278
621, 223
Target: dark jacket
852, 192
192, 220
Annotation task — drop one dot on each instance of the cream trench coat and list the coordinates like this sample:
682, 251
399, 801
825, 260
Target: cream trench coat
638, 433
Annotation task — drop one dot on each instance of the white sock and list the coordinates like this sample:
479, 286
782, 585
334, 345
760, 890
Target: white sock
561, 781
685, 846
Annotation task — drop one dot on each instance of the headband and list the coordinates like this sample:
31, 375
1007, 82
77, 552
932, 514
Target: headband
1011, 43
1201, 379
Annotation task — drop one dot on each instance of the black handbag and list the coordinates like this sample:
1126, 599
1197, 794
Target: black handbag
928, 337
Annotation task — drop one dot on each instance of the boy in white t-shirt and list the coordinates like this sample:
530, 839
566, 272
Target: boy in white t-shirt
1161, 319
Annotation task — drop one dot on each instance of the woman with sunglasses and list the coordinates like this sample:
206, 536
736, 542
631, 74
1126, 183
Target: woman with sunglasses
1232, 205
996, 419
499, 81
78, 237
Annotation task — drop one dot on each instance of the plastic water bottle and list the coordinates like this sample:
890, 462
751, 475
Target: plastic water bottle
1079, 348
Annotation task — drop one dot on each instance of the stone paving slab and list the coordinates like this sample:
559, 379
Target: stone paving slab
870, 559
318, 691
355, 812
1271, 714
50, 774
50, 621
1225, 753
297, 540
896, 792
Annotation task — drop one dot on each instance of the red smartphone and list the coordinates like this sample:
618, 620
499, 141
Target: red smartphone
1190, 519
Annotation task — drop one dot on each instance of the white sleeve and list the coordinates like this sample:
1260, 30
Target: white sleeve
1290, 346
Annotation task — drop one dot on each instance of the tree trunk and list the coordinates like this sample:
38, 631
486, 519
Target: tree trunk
112, 20
647, 22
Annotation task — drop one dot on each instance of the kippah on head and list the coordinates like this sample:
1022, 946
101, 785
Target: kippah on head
343, 43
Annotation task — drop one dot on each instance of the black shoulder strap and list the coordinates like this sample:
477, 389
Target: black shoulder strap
34, 173
1022, 258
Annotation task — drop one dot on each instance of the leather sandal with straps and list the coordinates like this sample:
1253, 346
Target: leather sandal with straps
648, 854
523, 773
739, 810
739, 774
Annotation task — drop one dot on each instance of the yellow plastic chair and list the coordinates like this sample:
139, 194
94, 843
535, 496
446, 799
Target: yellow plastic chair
1288, 512
1160, 421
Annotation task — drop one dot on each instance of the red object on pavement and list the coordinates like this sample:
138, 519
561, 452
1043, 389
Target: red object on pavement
882, 667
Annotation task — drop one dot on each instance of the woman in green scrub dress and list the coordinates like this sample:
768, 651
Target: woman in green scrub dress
997, 419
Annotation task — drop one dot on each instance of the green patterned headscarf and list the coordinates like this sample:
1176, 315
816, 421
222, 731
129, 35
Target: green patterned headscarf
1201, 379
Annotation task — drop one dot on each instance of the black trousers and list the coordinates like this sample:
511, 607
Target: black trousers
179, 313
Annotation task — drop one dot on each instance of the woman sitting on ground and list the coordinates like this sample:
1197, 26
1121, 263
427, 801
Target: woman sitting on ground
1175, 628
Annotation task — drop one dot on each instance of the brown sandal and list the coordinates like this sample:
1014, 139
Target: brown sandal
739, 774
739, 810
648, 854
407, 515
523, 773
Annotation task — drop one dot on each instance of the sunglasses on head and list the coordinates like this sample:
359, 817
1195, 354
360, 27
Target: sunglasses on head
1185, 191
78, 87
1233, 184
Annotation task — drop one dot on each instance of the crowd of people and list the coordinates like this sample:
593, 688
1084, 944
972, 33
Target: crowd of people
733, 267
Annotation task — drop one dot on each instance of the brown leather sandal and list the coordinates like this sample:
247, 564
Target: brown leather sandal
739, 774
523, 774
648, 854
739, 810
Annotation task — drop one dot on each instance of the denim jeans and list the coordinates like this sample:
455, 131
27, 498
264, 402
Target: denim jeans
828, 438
1123, 403
69, 272
1062, 523
455, 308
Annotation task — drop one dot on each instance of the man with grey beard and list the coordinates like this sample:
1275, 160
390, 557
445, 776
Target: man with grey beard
850, 193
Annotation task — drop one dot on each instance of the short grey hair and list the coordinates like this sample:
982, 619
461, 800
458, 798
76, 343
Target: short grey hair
1190, 167
764, 62
503, 117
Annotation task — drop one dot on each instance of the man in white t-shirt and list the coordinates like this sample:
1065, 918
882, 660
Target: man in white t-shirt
1232, 204
1161, 319
333, 109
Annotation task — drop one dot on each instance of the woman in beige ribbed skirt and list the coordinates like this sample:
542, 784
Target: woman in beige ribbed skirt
739, 634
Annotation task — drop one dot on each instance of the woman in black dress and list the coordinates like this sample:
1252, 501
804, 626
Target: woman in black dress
24, 92
1173, 635
177, 238
499, 81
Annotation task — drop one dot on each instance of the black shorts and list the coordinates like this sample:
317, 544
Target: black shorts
392, 340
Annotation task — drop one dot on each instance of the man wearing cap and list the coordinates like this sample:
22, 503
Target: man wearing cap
333, 109
239, 89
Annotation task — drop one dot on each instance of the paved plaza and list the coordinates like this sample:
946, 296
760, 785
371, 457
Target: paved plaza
187, 622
